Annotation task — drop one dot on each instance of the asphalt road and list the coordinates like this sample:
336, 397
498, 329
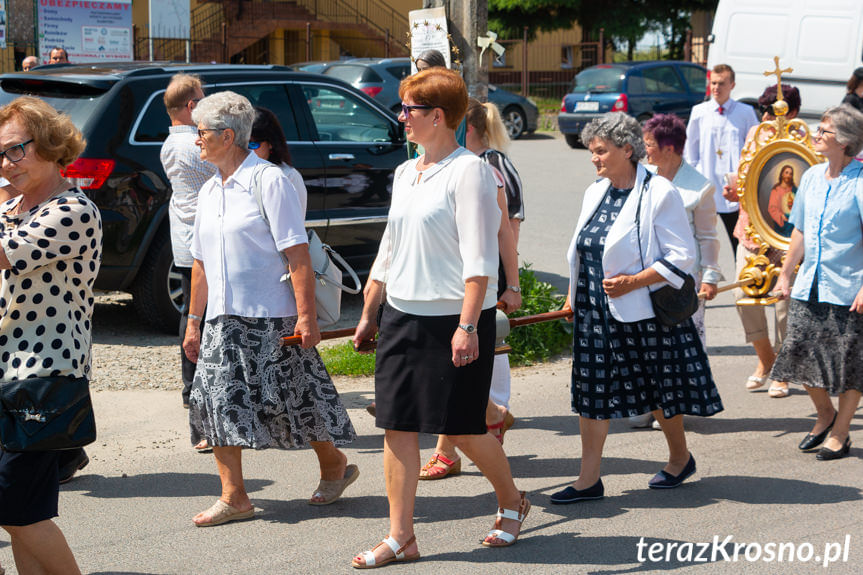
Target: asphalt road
131, 509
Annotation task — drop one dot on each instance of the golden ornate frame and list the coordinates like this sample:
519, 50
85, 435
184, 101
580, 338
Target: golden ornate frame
770, 139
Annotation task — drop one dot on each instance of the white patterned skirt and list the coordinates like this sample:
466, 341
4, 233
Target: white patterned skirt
250, 391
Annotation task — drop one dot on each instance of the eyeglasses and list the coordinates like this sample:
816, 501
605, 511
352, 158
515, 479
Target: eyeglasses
254, 145
406, 109
820, 132
15, 153
196, 100
201, 132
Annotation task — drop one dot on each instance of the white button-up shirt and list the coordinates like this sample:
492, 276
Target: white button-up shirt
714, 141
240, 254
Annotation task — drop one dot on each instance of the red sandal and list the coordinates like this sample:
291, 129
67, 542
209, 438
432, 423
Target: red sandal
439, 467
503, 426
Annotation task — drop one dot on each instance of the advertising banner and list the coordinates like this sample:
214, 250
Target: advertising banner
89, 31
2, 23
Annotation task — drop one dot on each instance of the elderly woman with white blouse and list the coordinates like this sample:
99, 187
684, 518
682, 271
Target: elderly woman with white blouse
249, 391
632, 236
438, 264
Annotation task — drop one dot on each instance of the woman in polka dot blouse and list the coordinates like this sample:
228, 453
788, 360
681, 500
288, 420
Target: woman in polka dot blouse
50, 245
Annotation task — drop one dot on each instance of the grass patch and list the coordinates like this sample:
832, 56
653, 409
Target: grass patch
341, 359
540, 341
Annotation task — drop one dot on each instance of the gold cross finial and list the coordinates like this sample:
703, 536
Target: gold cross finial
778, 73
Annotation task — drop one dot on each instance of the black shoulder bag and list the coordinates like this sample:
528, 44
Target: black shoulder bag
46, 413
670, 306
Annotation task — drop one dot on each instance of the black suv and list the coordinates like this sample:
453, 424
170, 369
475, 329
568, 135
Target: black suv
344, 144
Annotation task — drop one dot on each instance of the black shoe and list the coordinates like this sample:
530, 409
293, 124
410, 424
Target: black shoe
811, 441
572, 495
825, 454
69, 469
665, 480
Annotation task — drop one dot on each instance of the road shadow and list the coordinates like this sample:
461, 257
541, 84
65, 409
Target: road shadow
116, 322
537, 135
560, 283
574, 553
730, 350
154, 485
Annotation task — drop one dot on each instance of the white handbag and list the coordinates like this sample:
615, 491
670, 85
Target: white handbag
328, 276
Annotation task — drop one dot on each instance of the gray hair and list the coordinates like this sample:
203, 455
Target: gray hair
848, 124
227, 110
619, 129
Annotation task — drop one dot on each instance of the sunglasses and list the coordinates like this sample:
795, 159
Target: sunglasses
406, 109
254, 145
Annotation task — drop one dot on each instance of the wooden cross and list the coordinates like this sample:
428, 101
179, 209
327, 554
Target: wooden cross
778, 73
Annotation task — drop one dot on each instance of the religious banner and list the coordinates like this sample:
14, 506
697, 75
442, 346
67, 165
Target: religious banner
88, 31
428, 31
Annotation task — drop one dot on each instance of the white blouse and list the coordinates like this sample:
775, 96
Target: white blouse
297, 180
442, 230
239, 252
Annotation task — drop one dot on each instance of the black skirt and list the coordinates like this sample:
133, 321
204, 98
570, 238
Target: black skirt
29, 487
417, 387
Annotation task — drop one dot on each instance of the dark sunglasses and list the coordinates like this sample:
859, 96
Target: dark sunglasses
406, 109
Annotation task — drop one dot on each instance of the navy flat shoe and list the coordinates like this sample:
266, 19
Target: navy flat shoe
665, 480
812, 441
825, 454
573, 495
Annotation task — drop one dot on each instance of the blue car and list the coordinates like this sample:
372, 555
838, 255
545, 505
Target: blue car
640, 89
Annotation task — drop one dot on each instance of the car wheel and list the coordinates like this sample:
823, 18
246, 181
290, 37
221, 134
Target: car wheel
515, 122
157, 291
574, 140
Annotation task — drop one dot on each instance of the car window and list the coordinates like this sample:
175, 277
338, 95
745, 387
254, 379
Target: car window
696, 78
274, 97
340, 117
400, 72
78, 101
600, 79
154, 123
662, 79
635, 83
353, 73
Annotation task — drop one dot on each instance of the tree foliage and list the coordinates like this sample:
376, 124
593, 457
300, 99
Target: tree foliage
624, 21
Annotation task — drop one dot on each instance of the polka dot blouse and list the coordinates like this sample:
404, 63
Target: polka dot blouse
46, 298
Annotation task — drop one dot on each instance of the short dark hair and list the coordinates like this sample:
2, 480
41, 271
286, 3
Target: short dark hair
433, 58
266, 128
667, 130
855, 80
790, 95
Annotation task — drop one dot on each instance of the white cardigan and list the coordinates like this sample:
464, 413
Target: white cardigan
665, 237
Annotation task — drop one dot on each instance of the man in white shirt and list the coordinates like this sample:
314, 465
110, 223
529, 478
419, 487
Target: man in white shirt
714, 137
181, 159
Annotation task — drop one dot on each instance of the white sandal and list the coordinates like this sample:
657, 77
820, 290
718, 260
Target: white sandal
398, 554
507, 538
754, 382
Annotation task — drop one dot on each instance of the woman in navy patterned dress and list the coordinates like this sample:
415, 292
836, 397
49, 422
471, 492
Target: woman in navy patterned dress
624, 362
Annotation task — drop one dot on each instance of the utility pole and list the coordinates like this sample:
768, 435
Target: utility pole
467, 21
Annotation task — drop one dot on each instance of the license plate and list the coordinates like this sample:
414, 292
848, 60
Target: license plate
587, 106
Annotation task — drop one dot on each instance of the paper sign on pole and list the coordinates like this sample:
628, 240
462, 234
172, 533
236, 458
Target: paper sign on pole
429, 32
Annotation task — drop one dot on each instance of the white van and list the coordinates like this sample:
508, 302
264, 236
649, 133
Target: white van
822, 40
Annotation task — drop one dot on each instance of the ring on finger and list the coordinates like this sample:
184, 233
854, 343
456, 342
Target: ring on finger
465, 357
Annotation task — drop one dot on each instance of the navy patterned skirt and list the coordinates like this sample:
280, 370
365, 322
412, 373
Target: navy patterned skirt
625, 369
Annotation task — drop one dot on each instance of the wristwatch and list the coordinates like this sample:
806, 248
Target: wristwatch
468, 327
514, 289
